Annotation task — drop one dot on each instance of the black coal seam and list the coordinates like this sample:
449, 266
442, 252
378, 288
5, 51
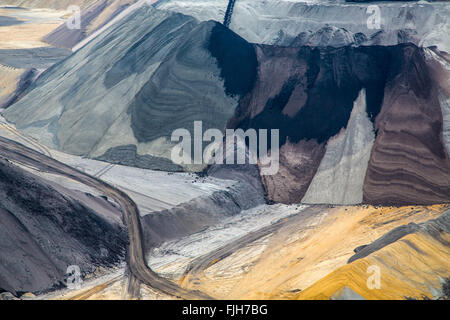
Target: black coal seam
229, 13
324, 115
236, 59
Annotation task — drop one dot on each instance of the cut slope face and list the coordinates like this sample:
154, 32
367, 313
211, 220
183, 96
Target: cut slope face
310, 100
122, 96
413, 261
11, 83
344, 164
306, 257
51, 4
409, 161
156, 76
45, 228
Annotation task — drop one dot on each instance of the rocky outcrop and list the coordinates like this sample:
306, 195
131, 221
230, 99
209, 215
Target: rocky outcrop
197, 214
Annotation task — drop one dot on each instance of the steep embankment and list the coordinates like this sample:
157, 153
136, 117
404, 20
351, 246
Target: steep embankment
410, 159
12, 83
45, 228
157, 75
307, 257
357, 124
198, 214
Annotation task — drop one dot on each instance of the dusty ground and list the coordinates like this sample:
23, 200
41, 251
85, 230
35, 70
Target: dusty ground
111, 285
309, 261
295, 257
33, 25
36, 24
304, 259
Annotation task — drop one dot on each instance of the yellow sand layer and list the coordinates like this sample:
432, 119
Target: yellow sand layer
9, 78
115, 289
295, 257
312, 263
25, 35
410, 267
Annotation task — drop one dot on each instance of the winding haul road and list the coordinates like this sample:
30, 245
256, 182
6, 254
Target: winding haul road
14, 151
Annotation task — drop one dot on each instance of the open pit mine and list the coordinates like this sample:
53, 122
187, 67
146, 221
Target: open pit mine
109, 191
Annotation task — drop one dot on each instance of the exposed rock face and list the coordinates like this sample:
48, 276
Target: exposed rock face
409, 162
43, 230
7, 296
301, 256
121, 97
341, 173
94, 17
